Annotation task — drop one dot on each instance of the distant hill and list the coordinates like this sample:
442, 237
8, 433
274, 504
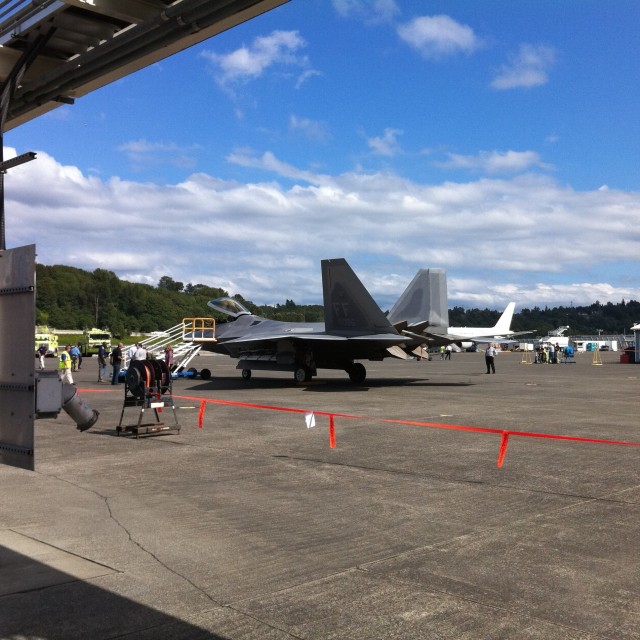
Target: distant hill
70, 298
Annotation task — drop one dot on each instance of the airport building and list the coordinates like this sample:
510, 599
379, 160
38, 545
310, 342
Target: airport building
634, 355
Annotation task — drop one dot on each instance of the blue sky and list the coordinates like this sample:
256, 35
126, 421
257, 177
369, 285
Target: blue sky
498, 140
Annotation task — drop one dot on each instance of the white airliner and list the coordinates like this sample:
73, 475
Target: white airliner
498, 333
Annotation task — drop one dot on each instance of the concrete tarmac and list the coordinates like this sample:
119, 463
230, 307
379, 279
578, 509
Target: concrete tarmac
253, 527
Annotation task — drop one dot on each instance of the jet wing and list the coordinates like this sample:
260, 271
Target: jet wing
274, 337
419, 337
492, 339
382, 338
443, 338
377, 338
419, 327
415, 327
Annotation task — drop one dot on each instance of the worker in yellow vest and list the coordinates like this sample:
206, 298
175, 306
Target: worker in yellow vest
64, 365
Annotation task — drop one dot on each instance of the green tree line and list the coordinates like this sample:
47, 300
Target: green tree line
609, 318
71, 298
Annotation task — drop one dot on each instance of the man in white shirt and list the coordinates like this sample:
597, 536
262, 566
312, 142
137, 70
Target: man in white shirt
489, 358
141, 353
131, 351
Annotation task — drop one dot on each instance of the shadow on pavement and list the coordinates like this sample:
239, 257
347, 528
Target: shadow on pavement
318, 384
66, 608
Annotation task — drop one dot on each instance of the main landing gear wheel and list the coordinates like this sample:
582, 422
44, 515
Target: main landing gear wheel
302, 374
246, 374
357, 373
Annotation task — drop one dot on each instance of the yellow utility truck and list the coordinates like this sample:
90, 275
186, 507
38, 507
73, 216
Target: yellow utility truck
46, 336
92, 339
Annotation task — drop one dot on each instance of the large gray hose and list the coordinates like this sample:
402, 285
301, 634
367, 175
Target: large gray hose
77, 408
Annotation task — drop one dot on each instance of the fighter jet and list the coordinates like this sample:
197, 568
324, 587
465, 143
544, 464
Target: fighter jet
354, 328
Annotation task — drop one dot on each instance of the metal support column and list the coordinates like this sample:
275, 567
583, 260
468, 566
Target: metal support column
6, 93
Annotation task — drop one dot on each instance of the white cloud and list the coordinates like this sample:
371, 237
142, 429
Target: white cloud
144, 153
311, 129
387, 144
278, 49
528, 68
495, 162
439, 36
528, 238
371, 11
306, 75
268, 162
538, 294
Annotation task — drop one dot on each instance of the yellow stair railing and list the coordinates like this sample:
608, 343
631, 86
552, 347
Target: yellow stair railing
199, 329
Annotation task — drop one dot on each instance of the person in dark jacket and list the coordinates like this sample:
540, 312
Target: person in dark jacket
102, 362
116, 362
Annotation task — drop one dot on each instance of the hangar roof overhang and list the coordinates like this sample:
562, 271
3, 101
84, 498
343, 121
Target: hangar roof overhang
54, 51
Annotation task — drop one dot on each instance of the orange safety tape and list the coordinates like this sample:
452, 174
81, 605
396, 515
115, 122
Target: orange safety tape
332, 432
416, 423
504, 434
203, 404
503, 448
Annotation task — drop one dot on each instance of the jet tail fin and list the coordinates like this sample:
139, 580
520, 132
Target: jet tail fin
503, 326
424, 300
348, 306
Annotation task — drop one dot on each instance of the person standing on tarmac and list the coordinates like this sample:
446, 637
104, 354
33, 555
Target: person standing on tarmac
75, 355
168, 356
102, 362
116, 362
141, 352
79, 356
552, 354
489, 358
131, 352
64, 365
42, 352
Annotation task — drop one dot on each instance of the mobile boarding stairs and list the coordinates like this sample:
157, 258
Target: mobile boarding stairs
186, 339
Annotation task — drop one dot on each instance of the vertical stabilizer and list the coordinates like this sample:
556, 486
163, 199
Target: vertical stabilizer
424, 300
348, 306
503, 326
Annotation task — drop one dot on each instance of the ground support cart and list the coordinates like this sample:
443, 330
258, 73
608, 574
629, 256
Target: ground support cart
148, 387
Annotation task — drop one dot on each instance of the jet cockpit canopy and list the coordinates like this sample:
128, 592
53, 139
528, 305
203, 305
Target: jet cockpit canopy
229, 306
